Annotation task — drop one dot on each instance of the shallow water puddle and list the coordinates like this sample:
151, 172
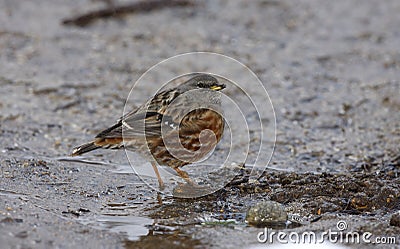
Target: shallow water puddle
123, 169
133, 227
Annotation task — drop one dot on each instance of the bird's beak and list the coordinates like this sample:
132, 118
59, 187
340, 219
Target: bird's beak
217, 87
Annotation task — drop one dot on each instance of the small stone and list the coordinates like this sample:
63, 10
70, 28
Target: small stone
395, 219
267, 214
22, 234
11, 220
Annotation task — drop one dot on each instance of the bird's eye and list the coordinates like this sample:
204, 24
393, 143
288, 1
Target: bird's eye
201, 84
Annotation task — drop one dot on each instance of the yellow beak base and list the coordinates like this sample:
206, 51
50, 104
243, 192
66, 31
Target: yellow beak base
216, 88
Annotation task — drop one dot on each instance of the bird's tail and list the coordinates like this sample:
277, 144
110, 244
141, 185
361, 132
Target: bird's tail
84, 148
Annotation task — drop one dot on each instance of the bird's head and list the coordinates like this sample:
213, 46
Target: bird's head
203, 81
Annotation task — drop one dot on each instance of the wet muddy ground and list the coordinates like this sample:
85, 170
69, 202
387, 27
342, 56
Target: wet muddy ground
332, 70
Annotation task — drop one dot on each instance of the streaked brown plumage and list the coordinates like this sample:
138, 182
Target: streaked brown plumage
176, 127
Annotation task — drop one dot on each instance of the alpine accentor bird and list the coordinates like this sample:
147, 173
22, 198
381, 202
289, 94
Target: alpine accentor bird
176, 127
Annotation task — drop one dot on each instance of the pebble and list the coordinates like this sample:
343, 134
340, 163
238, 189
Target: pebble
266, 214
395, 219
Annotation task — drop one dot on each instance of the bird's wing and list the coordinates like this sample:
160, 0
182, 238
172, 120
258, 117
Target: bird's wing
141, 123
147, 119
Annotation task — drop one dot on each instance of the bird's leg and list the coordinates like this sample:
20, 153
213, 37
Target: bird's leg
160, 181
185, 176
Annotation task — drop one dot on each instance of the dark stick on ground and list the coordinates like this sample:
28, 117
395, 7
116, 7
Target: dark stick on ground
116, 11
